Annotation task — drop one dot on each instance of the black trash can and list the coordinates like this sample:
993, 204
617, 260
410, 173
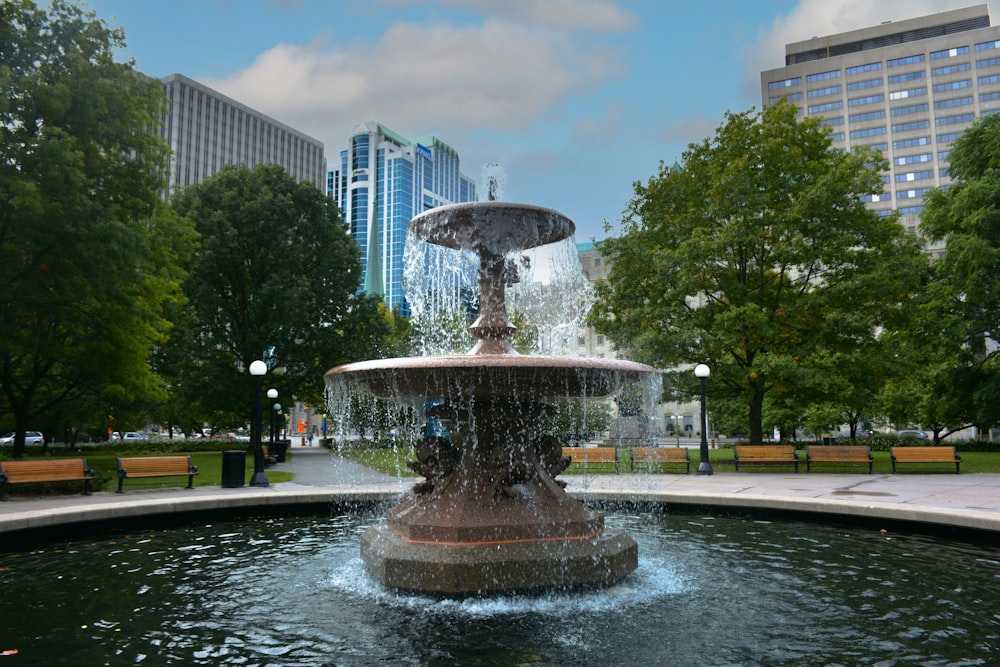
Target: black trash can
281, 450
234, 466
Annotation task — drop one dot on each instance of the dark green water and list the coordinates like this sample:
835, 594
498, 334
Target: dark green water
710, 590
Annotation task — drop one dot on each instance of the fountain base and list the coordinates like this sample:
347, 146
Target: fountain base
471, 569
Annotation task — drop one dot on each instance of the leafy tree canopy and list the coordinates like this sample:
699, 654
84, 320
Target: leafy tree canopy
274, 278
963, 298
756, 255
88, 251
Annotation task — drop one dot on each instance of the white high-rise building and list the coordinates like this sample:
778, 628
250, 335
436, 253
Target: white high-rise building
207, 130
908, 88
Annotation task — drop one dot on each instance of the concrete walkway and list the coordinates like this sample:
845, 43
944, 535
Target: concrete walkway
320, 477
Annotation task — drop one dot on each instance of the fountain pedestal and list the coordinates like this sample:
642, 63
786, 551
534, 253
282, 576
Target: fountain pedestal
490, 515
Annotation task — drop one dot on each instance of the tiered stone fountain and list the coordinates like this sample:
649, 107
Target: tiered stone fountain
490, 514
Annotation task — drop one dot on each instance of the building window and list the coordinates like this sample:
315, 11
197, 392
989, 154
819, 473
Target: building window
988, 62
910, 143
911, 194
869, 115
949, 53
952, 85
907, 110
785, 83
950, 69
868, 83
860, 69
580, 341
822, 76
828, 106
907, 76
912, 159
986, 46
600, 339
986, 80
836, 120
868, 132
952, 120
820, 92
953, 102
910, 92
909, 127
791, 97
860, 101
989, 97
908, 60
914, 176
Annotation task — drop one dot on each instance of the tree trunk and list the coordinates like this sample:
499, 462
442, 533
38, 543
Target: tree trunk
756, 415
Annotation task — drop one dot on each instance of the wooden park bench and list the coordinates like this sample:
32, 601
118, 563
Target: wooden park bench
155, 466
45, 470
932, 454
839, 454
654, 457
765, 454
590, 455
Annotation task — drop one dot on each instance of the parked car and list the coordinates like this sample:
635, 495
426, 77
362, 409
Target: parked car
912, 433
30, 438
132, 435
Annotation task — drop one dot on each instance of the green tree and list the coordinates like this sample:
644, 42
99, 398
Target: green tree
274, 278
963, 298
87, 250
755, 255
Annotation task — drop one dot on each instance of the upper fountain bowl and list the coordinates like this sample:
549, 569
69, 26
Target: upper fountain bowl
491, 228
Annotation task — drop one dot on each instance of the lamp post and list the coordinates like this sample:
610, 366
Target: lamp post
272, 394
257, 369
701, 371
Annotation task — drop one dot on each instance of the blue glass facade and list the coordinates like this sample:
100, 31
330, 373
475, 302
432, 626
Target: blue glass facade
397, 178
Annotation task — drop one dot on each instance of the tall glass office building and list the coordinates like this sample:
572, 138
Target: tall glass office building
907, 88
384, 180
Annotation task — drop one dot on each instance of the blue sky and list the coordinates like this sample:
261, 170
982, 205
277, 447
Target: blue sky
575, 99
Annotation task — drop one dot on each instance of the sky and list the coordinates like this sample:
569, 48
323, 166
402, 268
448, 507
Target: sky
576, 100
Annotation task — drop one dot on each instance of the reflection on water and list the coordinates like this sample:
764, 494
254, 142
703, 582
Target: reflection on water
709, 590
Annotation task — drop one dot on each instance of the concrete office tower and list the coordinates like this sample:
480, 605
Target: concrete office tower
207, 130
384, 180
908, 88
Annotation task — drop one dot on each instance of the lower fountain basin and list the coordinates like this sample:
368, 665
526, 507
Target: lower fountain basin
475, 569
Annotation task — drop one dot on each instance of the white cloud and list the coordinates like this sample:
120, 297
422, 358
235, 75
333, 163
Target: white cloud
816, 18
597, 15
424, 78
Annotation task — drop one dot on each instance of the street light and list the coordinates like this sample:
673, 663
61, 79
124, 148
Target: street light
272, 394
701, 371
257, 369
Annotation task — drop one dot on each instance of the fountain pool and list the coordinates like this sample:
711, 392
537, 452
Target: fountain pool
708, 590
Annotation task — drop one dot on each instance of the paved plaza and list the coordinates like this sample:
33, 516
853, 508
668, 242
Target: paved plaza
966, 501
